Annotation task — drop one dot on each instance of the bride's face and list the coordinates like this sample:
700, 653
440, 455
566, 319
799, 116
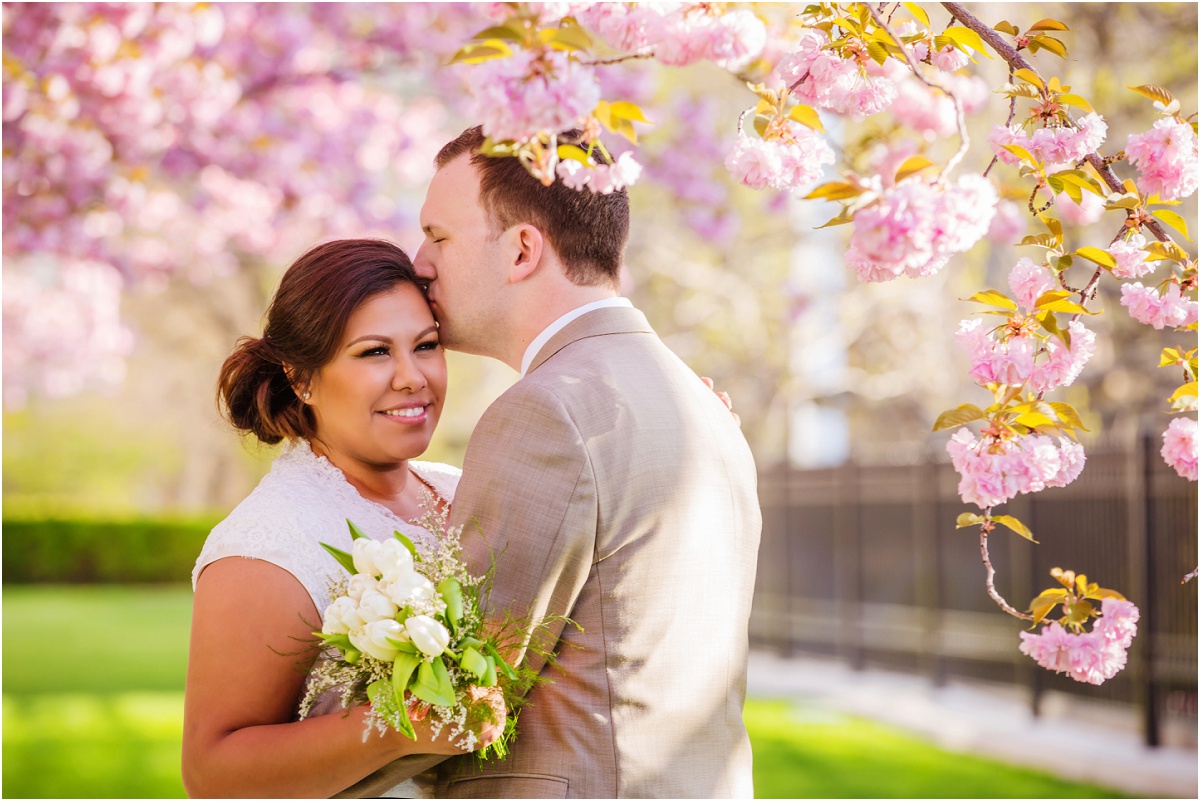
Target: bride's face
378, 401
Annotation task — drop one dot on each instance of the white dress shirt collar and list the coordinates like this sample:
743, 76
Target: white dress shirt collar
541, 339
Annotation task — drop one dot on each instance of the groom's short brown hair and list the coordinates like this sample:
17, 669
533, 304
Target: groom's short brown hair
587, 230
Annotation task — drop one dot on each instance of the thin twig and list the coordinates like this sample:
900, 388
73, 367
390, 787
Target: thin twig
959, 117
991, 579
600, 62
1190, 576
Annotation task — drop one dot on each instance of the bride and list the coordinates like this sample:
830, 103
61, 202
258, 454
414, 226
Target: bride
349, 373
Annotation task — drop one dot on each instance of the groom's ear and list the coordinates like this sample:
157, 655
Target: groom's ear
527, 244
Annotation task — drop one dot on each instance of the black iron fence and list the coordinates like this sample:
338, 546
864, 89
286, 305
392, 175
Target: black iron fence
863, 563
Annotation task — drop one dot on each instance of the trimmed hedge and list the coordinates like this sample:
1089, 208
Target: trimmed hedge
101, 551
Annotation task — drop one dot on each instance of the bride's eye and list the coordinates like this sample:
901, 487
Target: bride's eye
428, 345
379, 350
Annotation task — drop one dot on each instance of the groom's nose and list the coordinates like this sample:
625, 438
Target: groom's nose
423, 266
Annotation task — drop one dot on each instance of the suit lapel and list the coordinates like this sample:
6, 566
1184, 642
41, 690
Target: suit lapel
600, 322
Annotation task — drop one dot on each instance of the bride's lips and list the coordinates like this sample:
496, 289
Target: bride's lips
411, 414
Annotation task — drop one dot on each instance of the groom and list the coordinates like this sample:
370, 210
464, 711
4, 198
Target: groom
615, 487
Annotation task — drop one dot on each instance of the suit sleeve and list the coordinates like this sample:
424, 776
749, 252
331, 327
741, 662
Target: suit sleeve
528, 486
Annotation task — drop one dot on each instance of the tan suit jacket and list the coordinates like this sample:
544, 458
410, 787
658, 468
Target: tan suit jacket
617, 490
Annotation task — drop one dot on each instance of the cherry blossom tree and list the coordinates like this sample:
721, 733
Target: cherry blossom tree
143, 143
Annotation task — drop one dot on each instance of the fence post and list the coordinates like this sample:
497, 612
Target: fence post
847, 546
928, 573
1148, 606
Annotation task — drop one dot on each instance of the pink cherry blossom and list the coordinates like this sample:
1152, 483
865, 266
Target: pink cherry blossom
1181, 449
1029, 281
1132, 260
1089, 208
1009, 224
1168, 310
1062, 365
992, 472
949, 59
1008, 135
1091, 657
792, 161
1166, 159
825, 79
530, 92
915, 226
1064, 145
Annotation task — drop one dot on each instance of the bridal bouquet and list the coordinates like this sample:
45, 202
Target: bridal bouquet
405, 633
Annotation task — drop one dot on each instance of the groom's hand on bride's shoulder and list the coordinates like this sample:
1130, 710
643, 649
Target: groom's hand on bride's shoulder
724, 398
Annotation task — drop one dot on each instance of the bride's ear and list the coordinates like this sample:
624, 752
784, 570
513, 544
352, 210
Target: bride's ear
301, 386
526, 245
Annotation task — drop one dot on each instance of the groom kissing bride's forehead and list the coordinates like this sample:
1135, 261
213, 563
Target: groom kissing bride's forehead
618, 488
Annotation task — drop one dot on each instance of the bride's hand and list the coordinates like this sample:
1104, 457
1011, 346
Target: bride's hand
724, 398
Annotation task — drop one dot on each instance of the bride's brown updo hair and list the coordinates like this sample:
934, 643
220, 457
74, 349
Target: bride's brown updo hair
305, 323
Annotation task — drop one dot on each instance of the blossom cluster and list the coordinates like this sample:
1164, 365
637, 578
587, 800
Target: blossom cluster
1181, 448
527, 92
1059, 147
916, 226
1016, 353
1168, 308
1132, 259
792, 159
678, 34
854, 86
994, 470
387, 582
1166, 159
1091, 657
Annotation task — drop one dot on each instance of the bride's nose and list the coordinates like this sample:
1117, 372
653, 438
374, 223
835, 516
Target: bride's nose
407, 375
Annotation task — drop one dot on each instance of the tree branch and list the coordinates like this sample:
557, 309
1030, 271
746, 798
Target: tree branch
991, 578
1017, 62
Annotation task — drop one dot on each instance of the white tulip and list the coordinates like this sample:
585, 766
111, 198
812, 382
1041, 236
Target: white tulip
372, 639
341, 616
407, 588
427, 634
364, 552
360, 584
374, 605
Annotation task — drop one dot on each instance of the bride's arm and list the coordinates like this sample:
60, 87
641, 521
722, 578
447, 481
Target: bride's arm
244, 682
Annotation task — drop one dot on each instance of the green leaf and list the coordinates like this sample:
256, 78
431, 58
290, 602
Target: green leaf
570, 37
394, 713
918, 13
1184, 398
512, 31
1077, 102
1041, 240
1169, 357
1048, 25
1041, 606
1154, 92
625, 110
760, 125
968, 519
339, 641
807, 115
1174, 220
834, 190
1021, 153
483, 51
344, 559
1048, 43
964, 38
1101, 257
960, 415
1029, 76
1166, 250
1014, 524
993, 297
878, 51
489, 678
911, 166
355, 531
428, 686
1068, 415
473, 662
402, 671
501, 665
451, 592
841, 219
573, 153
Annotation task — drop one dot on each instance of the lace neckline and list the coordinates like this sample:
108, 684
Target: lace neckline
298, 454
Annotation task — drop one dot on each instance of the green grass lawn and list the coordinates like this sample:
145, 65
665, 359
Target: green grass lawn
93, 705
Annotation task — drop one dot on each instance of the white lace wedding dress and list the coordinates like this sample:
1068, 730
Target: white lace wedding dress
301, 503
